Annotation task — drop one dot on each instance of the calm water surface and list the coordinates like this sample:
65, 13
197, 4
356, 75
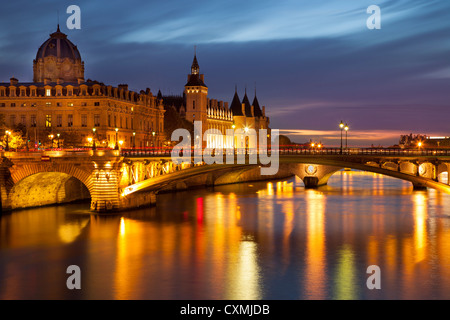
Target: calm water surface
250, 241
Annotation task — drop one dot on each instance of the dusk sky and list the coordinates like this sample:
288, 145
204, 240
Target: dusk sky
314, 63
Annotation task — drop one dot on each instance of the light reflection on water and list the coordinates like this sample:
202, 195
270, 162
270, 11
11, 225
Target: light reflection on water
269, 240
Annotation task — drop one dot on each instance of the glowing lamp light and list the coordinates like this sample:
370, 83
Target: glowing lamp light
246, 129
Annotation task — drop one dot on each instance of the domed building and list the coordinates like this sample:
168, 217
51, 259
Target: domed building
58, 59
61, 108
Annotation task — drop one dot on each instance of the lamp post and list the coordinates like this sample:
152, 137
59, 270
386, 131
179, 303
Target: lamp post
419, 144
51, 137
341, 125
116, 147
93, 138
134, 140
8, 133
58, 138
346, 131
153, 134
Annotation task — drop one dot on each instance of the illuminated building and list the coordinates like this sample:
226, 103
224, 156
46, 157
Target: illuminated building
195, 105
60, 100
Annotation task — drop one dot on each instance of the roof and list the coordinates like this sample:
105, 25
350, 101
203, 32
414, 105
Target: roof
236, 106
195, 80
58, 46
256, 108
248, 107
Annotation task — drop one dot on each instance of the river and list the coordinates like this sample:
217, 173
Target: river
264, 240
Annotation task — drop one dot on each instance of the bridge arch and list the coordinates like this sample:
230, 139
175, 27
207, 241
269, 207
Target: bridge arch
39, 184
46, 188
408, 171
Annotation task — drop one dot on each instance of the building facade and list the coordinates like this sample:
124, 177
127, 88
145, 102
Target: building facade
216, 116
61, 108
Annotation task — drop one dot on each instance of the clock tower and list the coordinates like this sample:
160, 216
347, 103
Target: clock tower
196, 93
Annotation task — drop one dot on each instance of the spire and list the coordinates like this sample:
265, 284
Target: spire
236, 106
256, 107
57, 30
246, 102
195, 68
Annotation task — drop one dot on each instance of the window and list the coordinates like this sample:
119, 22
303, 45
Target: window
96, 104
22, 93
48, 104
58, 104
84, 120
33, 120
59, 120
23, 119
33, 104
115, 121
69, 92
48, 92
70, 104
96, 120
2, 105
70, 120
109, 120
126, 123
132, 125
33, 92
193, 104
23, 104
121, 122
12, 120
13, 104
48, 120
83, 104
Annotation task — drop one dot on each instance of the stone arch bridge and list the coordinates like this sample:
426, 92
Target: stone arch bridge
117, 180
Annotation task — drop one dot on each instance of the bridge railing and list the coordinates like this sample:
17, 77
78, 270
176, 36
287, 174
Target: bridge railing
295, 150
282, 150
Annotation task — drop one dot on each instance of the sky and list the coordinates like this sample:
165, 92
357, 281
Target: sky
312, 63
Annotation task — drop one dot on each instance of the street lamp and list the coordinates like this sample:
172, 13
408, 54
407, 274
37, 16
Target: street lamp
58, 138
153, 134
134, 140
346, 131
419, 144
93, 137
51, 137
8, 133
116, 147
341, 125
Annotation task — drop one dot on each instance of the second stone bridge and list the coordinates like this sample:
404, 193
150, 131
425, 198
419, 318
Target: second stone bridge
117, 181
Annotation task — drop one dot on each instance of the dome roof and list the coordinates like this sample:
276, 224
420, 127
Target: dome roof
58, 46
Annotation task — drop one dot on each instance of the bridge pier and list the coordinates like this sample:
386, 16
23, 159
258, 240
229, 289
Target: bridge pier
311, 182
313, 175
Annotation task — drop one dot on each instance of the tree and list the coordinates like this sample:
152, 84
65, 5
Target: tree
15, 139
284, 141
71, 139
